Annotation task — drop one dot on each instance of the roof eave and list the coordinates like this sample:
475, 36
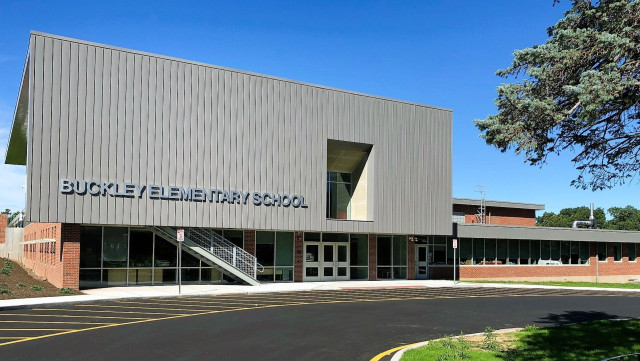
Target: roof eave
17, 146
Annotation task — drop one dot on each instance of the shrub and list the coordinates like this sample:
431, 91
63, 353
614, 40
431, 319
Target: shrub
66, 290
37, 288
6, 270
20, 284
8, 264
5, 291
3, 284
490, 341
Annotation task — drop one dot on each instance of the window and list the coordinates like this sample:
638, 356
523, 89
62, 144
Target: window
632, 252
478, 250
524, 252
535, 251
347, 179
458, 217
514, 251
274, 251
584, 253
617, 251
338, 195
359, 244
466, 247
392, 257
602, 251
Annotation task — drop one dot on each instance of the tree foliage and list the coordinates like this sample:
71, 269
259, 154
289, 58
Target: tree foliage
579, 92
566, 216
627, 218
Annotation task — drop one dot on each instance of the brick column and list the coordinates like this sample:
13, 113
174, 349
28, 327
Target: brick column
250, 241
411, 258
4, 220
373, 263
70, 255
298, 252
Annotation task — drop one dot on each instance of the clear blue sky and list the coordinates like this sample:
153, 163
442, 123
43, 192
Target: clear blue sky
442, 53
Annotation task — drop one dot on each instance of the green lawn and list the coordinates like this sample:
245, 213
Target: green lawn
564, 284
579, 342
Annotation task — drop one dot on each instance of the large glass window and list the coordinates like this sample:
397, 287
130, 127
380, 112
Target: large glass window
632, 251
574, 255
535, 251
478, 250
545, 250
118, 256
234, 236
490, 251
114, 247
617, 251
465, 246
392, 257
338, 195
555, 250
141, 249
274, 250
90, 247
524, 251
502, 245
584, 253
602, 251
438, 250
359, 247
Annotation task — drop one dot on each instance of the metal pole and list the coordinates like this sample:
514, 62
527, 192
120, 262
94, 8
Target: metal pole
180, 268
454, 266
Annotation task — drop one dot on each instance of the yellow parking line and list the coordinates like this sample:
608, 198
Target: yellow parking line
36, 329
164, 303
390, 351
56, 322
12, 338
75, 316
144, 308
105, 311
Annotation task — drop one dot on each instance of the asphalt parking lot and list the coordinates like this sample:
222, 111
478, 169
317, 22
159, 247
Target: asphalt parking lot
349, 324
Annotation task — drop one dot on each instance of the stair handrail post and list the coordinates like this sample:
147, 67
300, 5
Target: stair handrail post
234, 256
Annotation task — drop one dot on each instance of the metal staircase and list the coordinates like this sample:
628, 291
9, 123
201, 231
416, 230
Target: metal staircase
206, 243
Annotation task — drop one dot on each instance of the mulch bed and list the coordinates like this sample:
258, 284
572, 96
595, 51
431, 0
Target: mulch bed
21, 284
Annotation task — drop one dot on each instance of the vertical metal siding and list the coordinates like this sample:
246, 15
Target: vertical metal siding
113, 115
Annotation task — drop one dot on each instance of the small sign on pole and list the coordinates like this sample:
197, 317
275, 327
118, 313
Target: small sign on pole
180, 238
455, 246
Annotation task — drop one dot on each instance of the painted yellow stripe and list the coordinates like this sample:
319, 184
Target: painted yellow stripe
143, 308
56, 322
389, 352
36, 329
12, 338
74, 316
106, 311
169, 304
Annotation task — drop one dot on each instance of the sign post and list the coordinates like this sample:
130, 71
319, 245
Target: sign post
455, 246
180, 238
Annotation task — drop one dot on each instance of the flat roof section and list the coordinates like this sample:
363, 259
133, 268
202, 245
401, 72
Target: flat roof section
475, 230
503, 204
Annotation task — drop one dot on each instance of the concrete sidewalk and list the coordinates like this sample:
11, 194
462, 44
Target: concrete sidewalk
110, 293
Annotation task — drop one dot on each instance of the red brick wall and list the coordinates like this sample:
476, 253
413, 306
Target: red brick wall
373, 264
70, 236
298, 257
42, 251
499, 215
411, 258
607, 271
4, 220
250, 241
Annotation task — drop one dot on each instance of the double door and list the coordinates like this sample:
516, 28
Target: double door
326, 261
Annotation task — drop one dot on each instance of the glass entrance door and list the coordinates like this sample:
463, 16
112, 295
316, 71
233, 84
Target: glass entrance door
422, 264
335, 262
326, 261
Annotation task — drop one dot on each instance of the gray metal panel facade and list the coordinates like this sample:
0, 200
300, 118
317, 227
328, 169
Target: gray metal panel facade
108, 114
